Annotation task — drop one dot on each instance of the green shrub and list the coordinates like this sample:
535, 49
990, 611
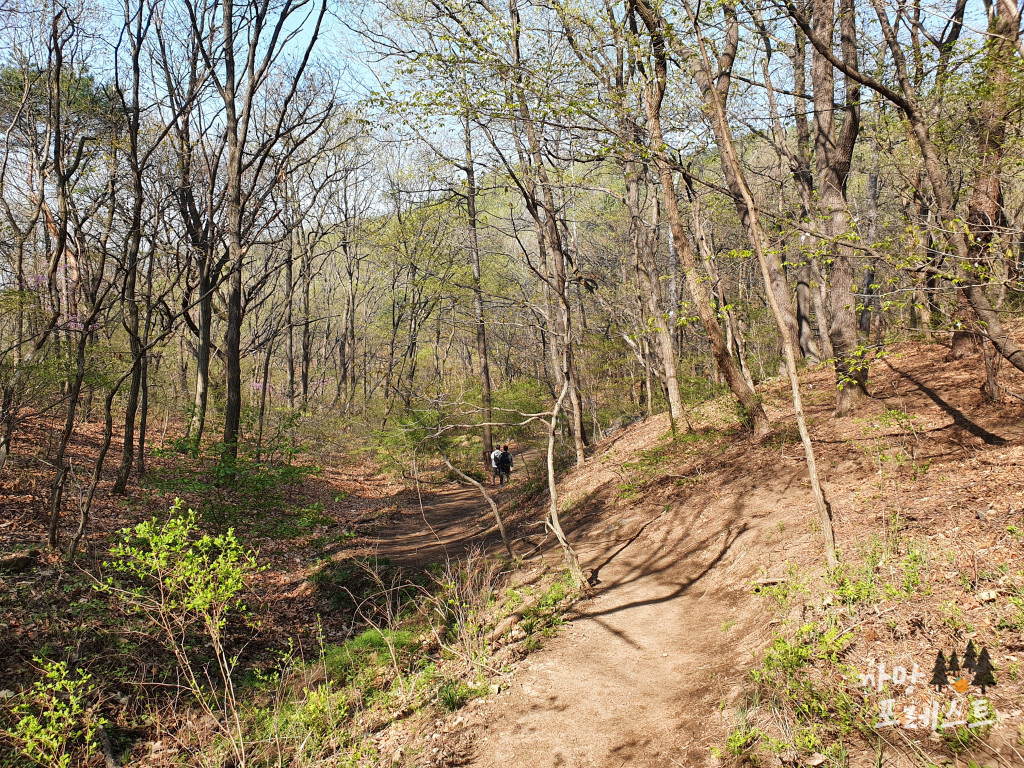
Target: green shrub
55, 722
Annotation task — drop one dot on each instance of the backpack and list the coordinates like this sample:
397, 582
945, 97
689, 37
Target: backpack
505, 462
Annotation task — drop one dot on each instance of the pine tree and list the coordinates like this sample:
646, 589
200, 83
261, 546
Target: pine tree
939, 678
970, 657
954, 664
983, 671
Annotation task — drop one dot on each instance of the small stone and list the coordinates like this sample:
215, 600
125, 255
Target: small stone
987, 596
815, 760
7, 694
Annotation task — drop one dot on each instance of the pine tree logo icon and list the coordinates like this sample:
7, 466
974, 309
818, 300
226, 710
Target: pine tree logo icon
953, 670
977, 670
983, 676
939, 677
970, 657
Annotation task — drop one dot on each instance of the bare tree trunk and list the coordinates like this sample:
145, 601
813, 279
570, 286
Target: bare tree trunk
203, 347
554, 523
544, 212
306, 275
290, 320
140, 467
263, 392
478, 297
234, 138
833, 156
758, 238
733, 335
654, 94
645, 241
57, 489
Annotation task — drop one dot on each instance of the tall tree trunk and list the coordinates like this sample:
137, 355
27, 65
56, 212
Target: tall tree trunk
644, 238
290, 319
264, 386
203, 347
306, 275
129, 299
803, 178
758, 238
140, 467
654, 93
716, 85
233, 227
545, 214
733, 335
478, 297
833, 153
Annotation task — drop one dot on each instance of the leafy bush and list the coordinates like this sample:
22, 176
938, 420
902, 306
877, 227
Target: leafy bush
186, 583
194, 578
55, 720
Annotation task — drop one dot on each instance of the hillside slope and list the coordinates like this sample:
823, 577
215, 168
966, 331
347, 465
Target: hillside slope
655, 669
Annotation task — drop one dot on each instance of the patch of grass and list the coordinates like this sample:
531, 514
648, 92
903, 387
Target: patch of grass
795, 680
783, 593
546, 615
953, 617
741, 740
912, 571
453, 694
853, 585
1013, 618
354, 658
640, 472
697, 436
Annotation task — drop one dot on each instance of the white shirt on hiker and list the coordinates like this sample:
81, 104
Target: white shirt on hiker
494, 457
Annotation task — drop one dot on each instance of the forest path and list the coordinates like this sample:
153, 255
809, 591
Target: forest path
446, 521
651, 669
639, 673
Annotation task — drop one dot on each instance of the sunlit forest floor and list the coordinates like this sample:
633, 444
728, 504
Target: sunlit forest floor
714, 636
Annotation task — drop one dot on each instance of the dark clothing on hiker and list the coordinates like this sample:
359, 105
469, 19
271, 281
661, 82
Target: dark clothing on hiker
504, 464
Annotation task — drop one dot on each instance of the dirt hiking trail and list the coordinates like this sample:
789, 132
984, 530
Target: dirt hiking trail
637, 674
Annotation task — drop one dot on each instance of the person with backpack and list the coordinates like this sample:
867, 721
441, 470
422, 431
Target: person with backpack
495, 474
504, 464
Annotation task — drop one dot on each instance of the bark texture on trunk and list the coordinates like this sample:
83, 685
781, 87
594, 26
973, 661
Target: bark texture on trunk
833, 155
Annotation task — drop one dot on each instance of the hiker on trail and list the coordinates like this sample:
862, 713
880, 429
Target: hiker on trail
504, 466
495, 474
